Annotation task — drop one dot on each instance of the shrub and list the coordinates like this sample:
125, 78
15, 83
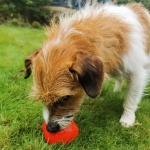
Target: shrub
15, 22
146, 3
24, 24
28, 10
36, 24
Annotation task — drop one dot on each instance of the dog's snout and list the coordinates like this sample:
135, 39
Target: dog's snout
52, 127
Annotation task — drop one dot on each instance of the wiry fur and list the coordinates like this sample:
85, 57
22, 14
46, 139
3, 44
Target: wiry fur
85, 46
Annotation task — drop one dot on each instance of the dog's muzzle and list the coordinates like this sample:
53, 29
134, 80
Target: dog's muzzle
52, 127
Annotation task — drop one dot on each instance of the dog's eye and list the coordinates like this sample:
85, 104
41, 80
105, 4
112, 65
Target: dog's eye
69, 116
61, 100
64, 98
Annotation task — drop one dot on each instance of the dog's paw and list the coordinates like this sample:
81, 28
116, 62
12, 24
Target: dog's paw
127, 119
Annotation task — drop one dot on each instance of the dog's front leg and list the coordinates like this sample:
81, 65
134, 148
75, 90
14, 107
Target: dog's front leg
137, 84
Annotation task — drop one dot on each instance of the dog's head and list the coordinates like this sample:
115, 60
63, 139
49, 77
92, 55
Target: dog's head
61, 80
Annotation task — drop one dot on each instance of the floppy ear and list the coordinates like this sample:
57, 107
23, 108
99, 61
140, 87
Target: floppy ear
28, 63
88, 70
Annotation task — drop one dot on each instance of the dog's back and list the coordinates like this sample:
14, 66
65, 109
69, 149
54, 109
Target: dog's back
117, 33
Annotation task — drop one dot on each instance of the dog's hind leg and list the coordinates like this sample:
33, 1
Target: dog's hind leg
118, 85
137, 84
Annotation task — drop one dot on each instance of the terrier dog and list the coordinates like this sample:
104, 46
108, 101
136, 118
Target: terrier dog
81, 49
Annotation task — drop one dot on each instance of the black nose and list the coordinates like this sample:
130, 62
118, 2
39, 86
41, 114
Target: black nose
52, 127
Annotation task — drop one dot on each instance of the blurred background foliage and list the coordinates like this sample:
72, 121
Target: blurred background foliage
34, 12
25, 10
146, 3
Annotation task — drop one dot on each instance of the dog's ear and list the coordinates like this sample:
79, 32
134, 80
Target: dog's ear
28, 63
89, 71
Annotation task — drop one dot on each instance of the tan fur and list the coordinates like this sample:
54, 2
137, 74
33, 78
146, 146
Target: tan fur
105, 34
61, 56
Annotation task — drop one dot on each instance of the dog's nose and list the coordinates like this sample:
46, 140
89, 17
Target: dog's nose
52, 127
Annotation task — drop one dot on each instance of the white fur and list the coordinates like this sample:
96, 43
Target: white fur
46, 115
118, 85
64, 121
134, 62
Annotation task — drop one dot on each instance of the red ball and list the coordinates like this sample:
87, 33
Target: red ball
64, 136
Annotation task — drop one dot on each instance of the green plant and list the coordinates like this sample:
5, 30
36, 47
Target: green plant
36, 24
24, 24
146, 3
15, 22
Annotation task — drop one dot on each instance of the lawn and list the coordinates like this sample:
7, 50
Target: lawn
21, 118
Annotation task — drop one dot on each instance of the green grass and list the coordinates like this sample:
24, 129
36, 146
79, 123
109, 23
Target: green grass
21, 118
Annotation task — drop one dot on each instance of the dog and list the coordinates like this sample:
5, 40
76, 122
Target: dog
81, 50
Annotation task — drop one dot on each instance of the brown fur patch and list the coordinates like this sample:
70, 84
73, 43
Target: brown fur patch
88, 70
28, 62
